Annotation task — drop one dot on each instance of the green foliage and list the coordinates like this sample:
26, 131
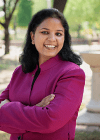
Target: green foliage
39, 5
24, 16
79, 11
24, 12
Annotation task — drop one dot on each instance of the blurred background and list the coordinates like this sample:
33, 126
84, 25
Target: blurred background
82, 16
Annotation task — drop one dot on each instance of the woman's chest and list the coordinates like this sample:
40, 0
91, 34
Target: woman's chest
20, 90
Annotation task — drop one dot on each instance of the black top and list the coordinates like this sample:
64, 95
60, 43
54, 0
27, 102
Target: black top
35, 77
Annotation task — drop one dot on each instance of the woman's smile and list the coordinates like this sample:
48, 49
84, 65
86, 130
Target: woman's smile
50, 47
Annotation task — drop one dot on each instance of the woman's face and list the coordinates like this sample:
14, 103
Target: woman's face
48, 38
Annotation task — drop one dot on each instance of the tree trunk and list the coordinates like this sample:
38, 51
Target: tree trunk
7, 41
59, 4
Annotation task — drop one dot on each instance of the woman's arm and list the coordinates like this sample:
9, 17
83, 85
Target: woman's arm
46, 101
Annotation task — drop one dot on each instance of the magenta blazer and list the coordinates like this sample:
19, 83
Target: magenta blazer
57, 121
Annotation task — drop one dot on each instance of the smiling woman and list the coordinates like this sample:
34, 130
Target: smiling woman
45, 91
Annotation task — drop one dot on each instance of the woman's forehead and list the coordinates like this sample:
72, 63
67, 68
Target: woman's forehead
51, 23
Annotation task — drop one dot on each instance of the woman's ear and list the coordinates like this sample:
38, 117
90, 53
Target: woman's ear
32, 37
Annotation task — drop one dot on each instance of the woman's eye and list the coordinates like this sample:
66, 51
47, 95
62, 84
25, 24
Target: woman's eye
44, 32
58, 34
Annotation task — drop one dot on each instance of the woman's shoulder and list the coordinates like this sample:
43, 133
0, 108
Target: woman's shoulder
66, 64
70, 67
18, 70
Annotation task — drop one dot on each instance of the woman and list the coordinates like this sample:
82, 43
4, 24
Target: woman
45, 92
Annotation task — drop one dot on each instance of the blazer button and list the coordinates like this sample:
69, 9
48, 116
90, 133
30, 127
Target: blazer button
19, 138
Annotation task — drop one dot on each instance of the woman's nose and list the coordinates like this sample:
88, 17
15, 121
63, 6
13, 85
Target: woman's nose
52, 37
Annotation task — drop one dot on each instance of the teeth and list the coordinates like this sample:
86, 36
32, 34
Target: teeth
50, 46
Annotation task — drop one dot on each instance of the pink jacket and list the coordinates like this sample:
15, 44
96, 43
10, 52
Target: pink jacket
57, 121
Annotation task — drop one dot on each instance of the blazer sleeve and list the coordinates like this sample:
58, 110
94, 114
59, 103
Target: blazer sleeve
5, 94
68, 97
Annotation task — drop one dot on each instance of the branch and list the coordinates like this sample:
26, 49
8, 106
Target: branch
4, 7
9, 5
2, 24
4, 1
10, 16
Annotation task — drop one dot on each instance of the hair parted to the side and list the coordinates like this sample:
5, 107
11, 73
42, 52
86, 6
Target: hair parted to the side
29, 57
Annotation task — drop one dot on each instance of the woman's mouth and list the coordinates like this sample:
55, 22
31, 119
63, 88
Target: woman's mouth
50, 46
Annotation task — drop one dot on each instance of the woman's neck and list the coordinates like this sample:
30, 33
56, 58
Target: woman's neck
43, 59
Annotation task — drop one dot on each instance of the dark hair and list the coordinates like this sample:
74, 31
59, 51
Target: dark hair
29, 58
